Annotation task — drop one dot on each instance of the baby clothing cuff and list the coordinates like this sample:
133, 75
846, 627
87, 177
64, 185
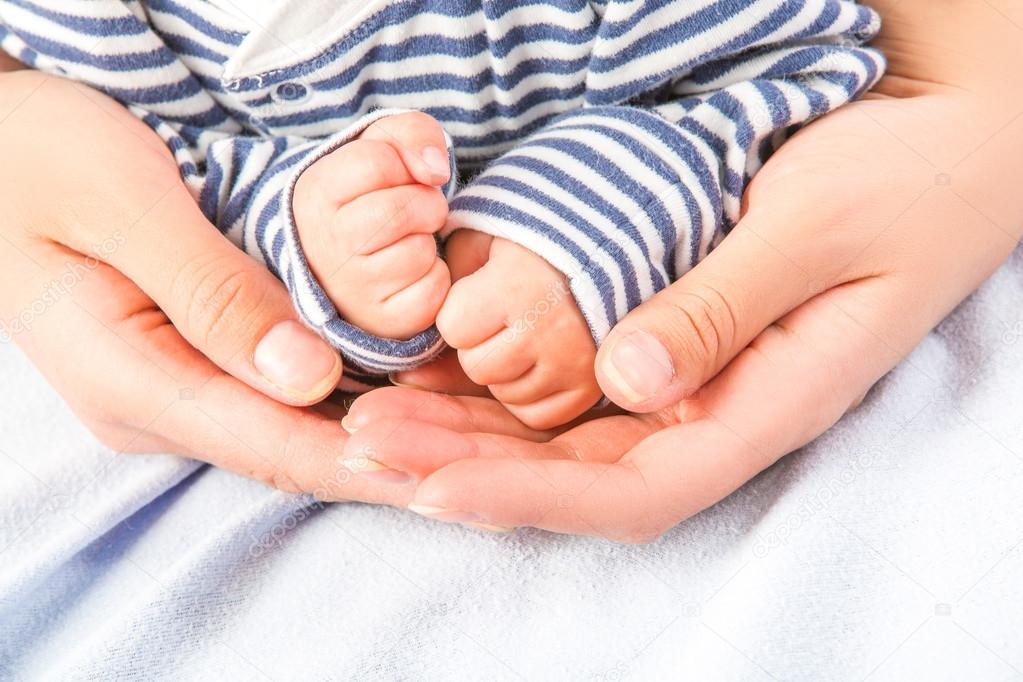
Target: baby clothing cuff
611, 196
370, 353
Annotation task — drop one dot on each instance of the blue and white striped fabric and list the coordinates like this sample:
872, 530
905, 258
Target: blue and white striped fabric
614, 138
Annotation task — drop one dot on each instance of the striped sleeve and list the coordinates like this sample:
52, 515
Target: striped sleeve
625, 196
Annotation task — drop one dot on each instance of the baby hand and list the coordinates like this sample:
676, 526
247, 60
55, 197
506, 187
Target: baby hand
518, 330
366, 214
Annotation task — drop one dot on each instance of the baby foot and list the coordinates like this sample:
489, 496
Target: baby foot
366, 214
518, 330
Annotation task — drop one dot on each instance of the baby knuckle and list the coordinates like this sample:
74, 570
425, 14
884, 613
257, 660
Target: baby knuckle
311, 189
478, 375
377, 161
399, 126
435, 284
374, 218
452, 331
419, 255
434, 209
450, 320
448, 329
394, 212
405, 321
537, 419
417, 118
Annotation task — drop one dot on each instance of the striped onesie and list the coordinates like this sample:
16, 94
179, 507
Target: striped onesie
614, 138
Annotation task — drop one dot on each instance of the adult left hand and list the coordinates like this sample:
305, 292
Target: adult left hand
859, 236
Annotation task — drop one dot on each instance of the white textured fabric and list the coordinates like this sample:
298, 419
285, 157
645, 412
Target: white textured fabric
890, 548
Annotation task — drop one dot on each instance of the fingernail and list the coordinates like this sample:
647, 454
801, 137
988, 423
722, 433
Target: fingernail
436, 160
441, 514
398, 379
375, 471
347, 425
297, 361
490, 528
639, 366
395, 378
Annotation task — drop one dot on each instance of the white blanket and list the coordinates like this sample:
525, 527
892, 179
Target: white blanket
890, 549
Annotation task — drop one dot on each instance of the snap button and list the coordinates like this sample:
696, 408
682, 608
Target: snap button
290, 91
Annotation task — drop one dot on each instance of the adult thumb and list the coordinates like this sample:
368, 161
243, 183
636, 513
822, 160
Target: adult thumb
667, 348
138, 216
225, 304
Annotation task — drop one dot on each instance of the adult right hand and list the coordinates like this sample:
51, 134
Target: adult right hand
160, 334
859, 235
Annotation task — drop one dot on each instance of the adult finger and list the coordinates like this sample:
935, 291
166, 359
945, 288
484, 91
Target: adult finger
143, 388
456, 413
796, 379
391, 448
394, 448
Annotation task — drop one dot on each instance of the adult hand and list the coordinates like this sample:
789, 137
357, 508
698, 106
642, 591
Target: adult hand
858, 236
160, 334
